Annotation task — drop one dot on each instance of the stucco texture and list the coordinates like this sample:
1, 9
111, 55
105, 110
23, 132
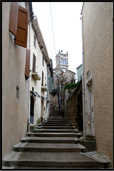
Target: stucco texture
98, 58
14, 111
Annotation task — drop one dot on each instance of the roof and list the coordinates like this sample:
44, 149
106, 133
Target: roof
40, 39
82, 8
79, 66
63, 68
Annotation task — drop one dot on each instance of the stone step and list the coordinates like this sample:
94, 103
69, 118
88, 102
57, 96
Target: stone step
57, 124
48, 159
50, 168
54, 127
50, 120
49, 139
49, 147
54, 134
54, 130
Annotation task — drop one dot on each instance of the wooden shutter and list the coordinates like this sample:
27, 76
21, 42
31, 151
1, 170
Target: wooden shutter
34, 62
13, 17
22, 27
27, 65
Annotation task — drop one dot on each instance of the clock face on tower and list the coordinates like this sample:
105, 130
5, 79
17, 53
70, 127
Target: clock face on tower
64, 70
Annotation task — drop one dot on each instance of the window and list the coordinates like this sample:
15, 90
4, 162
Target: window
34, 41
61, 60
43, 61
65, 61
34, 63
18, 23
17, 92
27, 65
45, 81
42, 78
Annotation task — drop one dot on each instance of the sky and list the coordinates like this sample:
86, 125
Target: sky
60, 25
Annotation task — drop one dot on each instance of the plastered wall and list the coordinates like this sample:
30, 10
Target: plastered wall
38, 107
98, 58
14, 111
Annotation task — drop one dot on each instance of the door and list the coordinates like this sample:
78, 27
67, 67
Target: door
31, 110
89, 111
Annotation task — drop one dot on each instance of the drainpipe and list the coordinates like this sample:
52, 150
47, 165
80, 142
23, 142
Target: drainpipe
47, 92
83, 76
28, 120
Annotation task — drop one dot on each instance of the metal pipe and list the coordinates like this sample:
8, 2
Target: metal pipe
83, 93
28, 124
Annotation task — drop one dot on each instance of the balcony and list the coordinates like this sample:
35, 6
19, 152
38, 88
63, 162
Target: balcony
44, 88
36, 76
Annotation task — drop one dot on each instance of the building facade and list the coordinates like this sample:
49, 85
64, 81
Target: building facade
38, 74
14, 73
61, 77
79, 72
26, 68
97, 32
62, 60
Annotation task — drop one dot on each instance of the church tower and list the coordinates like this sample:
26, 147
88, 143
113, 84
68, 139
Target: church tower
62, 60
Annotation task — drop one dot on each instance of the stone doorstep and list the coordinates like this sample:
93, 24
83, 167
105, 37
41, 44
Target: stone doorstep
50, 159
48, 147
99, 157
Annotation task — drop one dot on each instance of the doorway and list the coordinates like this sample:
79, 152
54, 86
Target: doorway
31, 110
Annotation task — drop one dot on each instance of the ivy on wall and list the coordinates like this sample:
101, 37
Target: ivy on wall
71, 86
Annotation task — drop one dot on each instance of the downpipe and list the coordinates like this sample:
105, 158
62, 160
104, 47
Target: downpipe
83, 93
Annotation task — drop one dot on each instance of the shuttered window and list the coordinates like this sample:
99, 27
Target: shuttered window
13, 17
34, 63
18, 23
22, 27
27, 65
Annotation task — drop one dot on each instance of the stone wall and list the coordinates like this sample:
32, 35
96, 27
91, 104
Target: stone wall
73, 111
53, 103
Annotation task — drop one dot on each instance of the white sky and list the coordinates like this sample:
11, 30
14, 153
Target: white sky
66, 26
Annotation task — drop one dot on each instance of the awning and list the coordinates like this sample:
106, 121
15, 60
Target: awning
35, 94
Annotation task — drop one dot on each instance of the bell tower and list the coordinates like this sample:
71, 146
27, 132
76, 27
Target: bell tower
62, 60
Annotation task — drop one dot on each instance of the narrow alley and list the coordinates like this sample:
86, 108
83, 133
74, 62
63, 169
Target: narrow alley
55, 117
52, 145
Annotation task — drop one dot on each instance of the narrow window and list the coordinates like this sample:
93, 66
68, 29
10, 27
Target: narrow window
61, 60
35, 41
43, 61
17, 92
42, 78
65, 61
34, 63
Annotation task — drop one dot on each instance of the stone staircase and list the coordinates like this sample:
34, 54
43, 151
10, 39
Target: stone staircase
51, 145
